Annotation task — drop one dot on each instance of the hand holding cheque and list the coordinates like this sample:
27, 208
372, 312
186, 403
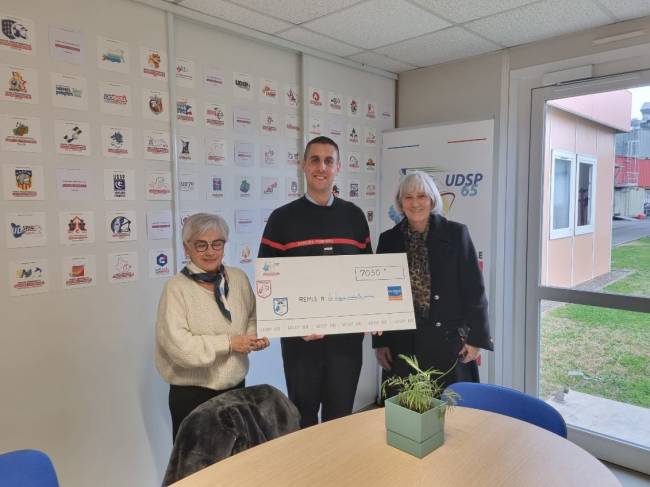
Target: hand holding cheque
312, 296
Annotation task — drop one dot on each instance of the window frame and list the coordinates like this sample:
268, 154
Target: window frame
564, 232
590, 160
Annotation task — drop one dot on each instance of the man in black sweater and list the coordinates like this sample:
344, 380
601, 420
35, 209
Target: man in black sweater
319, 370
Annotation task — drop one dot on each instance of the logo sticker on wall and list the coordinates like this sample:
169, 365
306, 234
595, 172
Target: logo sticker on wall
216, 151
119, 184
17, 34
28, 277
161, 263
185, 73
268, 91
216, 187
188, 186
270, 155
78, 271
293, 156
70, 91
353, 106
122, 267
72, 138
154, 63
21, 134
316, 98
185, 111
117, 142
25, 230
335, 103
292, 125
19, 84
112, 55
159, 185
371, 165
156, 145
353, 135
243, 85
215, 115
371, 110
155, 105
371, 136
23, 182
315, 125
270, 187
76, 227
291, 98
187, 148
354, 162
269, 123
120, 226
244, 153
115, 98
245, 187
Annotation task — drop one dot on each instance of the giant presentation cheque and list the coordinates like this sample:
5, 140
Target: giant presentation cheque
299, 296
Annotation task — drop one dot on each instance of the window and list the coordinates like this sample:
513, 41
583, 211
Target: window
585, 191
562, 196
573, 190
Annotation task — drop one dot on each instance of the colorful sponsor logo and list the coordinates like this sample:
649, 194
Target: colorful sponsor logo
394, 293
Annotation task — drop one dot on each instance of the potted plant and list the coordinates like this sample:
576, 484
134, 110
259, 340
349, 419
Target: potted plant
415, 417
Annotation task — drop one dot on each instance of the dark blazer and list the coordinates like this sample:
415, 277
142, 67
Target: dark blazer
458, 310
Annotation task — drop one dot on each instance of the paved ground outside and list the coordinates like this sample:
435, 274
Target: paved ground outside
612, 418
626, 231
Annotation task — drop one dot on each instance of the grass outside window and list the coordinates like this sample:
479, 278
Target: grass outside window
601, 351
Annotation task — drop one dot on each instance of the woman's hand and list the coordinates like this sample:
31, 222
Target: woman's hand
468, 353
312, 337
261, 344
243, 343
384, 357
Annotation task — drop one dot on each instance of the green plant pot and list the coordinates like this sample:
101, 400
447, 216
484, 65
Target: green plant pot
415, 433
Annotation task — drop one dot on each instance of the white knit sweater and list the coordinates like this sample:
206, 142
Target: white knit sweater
192, 336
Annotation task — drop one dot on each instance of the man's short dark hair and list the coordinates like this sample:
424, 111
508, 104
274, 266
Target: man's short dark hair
322, 140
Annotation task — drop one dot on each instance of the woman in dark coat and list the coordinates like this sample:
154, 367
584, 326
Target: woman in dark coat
447, 285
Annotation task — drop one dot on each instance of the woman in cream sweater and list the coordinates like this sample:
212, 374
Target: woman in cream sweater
206, 324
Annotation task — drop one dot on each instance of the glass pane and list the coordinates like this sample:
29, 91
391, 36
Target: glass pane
561, 193
584, 194
595, 366
596, 235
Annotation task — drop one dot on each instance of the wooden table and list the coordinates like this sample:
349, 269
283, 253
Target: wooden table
481, 449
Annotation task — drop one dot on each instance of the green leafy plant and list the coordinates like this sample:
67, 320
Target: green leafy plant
418, 390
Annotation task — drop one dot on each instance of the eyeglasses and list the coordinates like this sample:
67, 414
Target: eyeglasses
202, 245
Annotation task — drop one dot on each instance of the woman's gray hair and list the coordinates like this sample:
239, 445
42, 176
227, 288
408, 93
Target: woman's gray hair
200, 223
416, 182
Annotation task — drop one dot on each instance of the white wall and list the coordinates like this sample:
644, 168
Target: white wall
76, 365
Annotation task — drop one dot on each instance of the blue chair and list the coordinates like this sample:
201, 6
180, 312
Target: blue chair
510, 402
27, 468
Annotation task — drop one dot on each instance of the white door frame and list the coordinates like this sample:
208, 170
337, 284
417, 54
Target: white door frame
525, 162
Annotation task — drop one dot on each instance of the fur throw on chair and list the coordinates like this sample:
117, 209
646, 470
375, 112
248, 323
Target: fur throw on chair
228, 424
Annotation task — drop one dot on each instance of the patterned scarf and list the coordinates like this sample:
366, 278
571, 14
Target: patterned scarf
215, 278
418, 260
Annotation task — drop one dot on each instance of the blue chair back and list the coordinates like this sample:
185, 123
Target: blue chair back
510, 402
27, 468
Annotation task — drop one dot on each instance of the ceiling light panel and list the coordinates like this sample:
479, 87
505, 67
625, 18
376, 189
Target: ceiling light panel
627, 9
465, 10
377, 23
317, 41
238, 15
439, 47
381, 62
539, 21
296, 11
